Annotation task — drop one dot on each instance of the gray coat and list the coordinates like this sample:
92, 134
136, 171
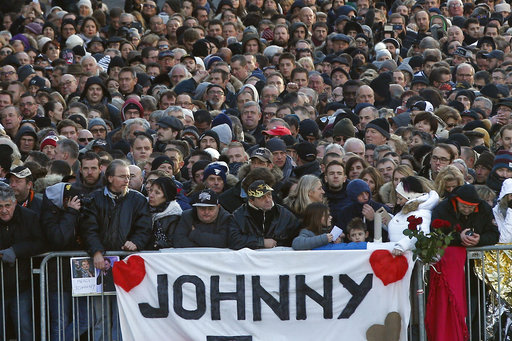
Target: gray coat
307, 240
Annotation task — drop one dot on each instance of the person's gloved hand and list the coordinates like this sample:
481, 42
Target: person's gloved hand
8, 256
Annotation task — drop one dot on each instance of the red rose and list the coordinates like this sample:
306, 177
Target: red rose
414, 222
458, 228
440, 223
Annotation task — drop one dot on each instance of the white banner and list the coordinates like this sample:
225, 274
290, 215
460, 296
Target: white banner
252, 295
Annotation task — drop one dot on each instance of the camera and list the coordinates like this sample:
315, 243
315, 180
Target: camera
470, 233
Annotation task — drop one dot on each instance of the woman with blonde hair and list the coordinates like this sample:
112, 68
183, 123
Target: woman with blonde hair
309, 189
447, 180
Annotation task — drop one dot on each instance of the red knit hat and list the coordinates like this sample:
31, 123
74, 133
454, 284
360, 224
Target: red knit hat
49, 140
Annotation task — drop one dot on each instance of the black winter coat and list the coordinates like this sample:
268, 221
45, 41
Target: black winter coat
245, 231
24, 235
164, 227
128, 217
480, 222
214, 234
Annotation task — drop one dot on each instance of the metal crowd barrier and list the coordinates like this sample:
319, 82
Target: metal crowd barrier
66, 318
489, 292
77, 318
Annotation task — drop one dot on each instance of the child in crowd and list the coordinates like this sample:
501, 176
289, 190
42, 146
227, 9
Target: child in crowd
317, 219
357, 231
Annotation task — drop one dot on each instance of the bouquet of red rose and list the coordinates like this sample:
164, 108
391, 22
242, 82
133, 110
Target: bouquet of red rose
430, 246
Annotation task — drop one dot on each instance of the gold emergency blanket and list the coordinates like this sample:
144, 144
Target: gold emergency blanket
503, 281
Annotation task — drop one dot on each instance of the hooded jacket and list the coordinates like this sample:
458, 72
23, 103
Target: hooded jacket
60, 223
503, 213
131, 101
112, 110
164, 226
354, 209
399, 222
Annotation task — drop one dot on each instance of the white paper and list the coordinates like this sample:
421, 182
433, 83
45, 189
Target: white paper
336, 232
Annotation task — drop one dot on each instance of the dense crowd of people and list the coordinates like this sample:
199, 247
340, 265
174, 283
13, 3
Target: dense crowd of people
248, 123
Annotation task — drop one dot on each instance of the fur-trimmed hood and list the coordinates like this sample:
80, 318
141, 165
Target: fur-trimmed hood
42, 183
245, 169
172, 209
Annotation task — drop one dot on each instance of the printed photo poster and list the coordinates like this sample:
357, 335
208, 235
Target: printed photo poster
86, 280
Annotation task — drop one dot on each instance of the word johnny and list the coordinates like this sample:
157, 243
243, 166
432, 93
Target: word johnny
254, 295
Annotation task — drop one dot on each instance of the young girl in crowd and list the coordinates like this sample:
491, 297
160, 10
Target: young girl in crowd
317, 219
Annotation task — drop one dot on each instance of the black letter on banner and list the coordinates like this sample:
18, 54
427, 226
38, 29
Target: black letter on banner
162, 311
238, 296
200, 297
304, 290
358, 292
281, 308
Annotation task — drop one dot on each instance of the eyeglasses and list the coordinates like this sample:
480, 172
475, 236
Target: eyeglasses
98, 130
339, 138
5, 52
213, 92
149, 6
86, 139
163, 47
8, 73
436, 158
28, 104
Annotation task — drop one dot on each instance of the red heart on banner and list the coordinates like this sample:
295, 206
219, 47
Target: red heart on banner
129, 274
388, 268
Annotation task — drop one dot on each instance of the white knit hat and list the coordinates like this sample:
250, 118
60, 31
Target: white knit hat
42, 41
73, 41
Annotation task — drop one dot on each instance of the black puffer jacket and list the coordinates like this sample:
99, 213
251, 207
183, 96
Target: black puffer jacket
109, 223
164, 226
214, 234
250, 226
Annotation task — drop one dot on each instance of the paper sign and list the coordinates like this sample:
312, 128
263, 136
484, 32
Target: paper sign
336, 232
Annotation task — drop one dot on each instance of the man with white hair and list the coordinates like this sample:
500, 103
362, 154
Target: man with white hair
178, 73
455, 8
90, 66
354, 145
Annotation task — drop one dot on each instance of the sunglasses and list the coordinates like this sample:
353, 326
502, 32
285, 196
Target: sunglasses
86, 139
149, 6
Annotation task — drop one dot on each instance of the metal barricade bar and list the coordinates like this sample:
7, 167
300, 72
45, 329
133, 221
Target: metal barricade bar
488, 273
